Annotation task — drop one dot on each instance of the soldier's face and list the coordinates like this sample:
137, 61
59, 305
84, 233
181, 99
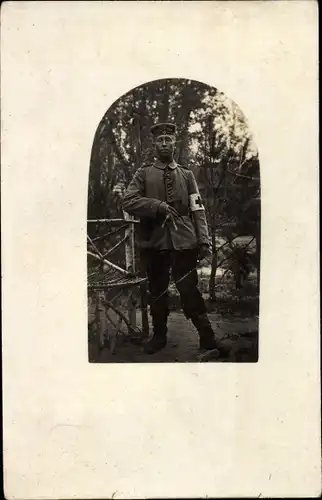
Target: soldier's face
164, 145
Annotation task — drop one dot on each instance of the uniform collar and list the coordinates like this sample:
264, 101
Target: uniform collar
158, 164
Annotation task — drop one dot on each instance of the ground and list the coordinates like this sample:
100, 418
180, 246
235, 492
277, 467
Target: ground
233, 315
240, 334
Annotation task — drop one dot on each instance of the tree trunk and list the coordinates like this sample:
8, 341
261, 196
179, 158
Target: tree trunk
182, 122
164, 102
137, 142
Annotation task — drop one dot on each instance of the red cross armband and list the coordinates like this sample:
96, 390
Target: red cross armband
195, 202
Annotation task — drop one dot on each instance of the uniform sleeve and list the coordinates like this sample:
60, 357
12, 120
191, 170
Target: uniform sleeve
198, 211
134, 202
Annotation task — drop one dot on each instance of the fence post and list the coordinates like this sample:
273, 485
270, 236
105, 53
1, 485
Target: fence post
130, 265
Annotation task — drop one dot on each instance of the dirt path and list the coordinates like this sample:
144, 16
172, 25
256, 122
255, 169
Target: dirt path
240, 334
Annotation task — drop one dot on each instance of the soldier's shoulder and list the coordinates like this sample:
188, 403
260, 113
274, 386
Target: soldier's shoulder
142, 168
184, 167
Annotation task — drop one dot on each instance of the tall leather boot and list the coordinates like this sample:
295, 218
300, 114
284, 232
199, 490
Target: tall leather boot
159, 338
206, 333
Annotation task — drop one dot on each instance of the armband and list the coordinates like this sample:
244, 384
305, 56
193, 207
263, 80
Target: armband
195, 202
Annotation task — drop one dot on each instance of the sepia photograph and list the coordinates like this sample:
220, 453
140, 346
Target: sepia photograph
173, 228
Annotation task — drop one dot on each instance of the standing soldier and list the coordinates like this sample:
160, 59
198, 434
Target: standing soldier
173, 234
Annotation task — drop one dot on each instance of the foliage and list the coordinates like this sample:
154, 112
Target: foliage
214, 140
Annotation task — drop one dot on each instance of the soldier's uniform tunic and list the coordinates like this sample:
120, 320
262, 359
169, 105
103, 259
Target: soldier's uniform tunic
171, 246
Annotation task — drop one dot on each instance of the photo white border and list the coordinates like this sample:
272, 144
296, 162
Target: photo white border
79, 430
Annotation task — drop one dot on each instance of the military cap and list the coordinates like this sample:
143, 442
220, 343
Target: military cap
163, 129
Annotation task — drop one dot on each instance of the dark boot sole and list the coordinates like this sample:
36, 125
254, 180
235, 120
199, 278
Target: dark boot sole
204, 346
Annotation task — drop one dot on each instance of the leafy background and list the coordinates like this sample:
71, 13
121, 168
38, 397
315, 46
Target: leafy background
215, 142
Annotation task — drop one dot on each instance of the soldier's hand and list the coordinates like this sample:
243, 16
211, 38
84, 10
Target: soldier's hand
203, 251
173, 212
165, 209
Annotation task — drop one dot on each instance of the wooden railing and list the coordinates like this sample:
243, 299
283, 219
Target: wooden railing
111, 275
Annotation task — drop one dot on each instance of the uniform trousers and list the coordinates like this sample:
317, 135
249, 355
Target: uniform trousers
182, 265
